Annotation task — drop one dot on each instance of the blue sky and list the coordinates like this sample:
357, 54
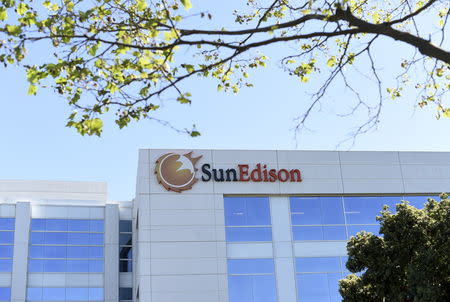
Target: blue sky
36, 145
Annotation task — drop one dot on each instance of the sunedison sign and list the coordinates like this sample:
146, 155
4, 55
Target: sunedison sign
176, 172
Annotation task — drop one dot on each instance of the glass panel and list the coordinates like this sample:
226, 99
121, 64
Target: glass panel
55, 238
96, 239
38, 224
125, 266
125, 226
79, 238
363, 210
125, 252
96, 266
78, 266
5, 265
54, 266
53, 293
97, 226
36, 251
419, 201
5, 293
242, 211
35, 266
79, 225
334, 233
354, 229
250, 266
37, 238
333, 286
6, 251
56, 225
318, 265
264, 289
7, 237
77, 294
319, 233
55, 252
125, 239
240, 288
78, 251
313, 288
96, 252
316, 210
7, 224
34, 294
125, 293
95, 294
236, 234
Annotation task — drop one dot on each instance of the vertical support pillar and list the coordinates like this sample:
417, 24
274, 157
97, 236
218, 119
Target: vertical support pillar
20, 258
111, 277
283, 250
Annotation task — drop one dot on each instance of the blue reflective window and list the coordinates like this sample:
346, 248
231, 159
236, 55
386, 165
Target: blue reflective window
78, 252
78, 225
125, 252
95, 294
5, 265
96, 266
36, 251
316, 210
125, 226
5, 293
77, 266
6, 237
354, 229
6, 251
419, 201
34, 294
248, 234
125, 266
318, 264
318, 287
56, 225
125, 293
254, 288
35, 266
125, 239
77, 294
54, 265
96, 239
55, 252
53, 293
319, 233
250, 266
79, 238
55, 238
363, 210
243, 211
95, 252
37, 237
7, 224
97, 226
38, 224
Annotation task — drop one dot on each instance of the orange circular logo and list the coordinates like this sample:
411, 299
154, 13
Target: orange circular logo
176, 172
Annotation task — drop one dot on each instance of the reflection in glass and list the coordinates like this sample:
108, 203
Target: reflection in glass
125, 226
6, 251
247, 211
5, 293
7, 224
6, 265
316, 210
125, 239
125, 266
64, 294
319, 233
125, 294
236, 234
6, 237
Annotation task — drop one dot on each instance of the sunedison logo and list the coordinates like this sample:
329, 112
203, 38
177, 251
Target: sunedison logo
176, 172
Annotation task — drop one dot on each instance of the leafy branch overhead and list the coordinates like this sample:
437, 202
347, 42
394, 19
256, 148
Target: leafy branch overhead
125, 55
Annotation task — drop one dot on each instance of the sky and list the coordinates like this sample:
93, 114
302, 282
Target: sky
36, 145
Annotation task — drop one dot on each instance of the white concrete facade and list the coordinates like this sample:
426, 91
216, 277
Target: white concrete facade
182, 252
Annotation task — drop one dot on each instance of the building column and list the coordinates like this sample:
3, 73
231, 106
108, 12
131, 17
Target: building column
283, 249
20, 258
111, 277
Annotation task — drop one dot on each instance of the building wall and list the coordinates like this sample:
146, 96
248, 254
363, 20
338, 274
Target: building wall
182, 252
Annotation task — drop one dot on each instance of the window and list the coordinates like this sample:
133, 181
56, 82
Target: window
251, 280
317, 218
125, 294
6, 247
64, 294
5, 293
247, 219
125, 246
317, 278
66, 245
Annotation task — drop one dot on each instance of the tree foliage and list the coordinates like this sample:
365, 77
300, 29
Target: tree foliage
409, 263
123, 55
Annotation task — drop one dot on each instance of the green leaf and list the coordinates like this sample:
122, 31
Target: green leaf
14, 30
141, 5
22, 8
32, 89
187, 4
331, 61
3, 14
